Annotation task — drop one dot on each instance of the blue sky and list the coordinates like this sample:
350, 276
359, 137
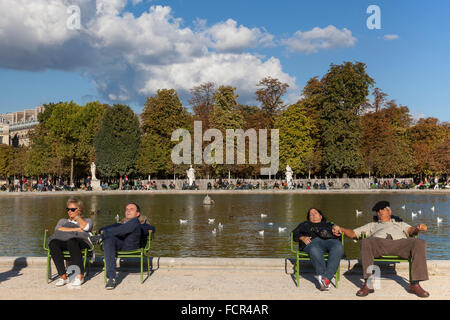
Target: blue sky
124, 52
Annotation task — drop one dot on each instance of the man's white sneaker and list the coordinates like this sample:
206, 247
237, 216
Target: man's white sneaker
77, 282
61, 282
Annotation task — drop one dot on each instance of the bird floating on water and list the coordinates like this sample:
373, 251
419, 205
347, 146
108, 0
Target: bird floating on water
261, 232
270, 223
404, 207
214, 231
282, 229
419, 212
439, 220
358, 212
413, 215
211, 221
220, 226
117, 218
432, 208
183, 221
263, 215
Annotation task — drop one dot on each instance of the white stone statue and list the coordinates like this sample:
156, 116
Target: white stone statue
93, 166
289, 174
191, 176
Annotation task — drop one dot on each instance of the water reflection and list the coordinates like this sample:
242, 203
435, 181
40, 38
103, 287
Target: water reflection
23, 220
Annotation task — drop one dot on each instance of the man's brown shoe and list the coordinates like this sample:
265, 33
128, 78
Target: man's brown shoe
364, 291
417, 290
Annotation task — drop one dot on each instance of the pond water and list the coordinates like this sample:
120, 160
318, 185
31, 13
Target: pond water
23, 220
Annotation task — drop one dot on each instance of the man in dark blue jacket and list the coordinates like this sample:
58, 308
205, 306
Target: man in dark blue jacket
131, 234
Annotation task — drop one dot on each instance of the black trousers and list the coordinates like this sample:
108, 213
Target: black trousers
74, 246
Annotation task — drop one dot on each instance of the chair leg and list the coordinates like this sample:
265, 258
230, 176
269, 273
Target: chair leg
48, 268
142, 267
104, 270
148, 266
297, 272
410, 271
338, 275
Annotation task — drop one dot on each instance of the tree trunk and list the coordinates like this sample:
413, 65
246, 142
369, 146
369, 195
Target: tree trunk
120, 183
71, 172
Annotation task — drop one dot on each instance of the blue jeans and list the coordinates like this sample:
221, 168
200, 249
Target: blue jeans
317, 248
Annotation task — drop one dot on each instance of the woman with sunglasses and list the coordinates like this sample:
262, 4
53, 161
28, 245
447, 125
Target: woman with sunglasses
71, 234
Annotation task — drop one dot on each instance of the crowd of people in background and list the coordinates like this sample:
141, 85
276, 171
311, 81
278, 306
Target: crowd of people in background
416, 183
59, 184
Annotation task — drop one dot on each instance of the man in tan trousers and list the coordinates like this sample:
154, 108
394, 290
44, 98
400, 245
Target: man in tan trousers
388, 237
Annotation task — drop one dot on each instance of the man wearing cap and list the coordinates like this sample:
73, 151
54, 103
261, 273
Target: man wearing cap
390, 237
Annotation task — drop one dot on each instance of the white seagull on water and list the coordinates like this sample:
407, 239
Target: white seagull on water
183, 221
358, 212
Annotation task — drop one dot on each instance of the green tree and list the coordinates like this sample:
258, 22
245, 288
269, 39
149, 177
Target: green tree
162, 115
116, 142
226, 114
296, 143
6, 157
345, 91
64, 129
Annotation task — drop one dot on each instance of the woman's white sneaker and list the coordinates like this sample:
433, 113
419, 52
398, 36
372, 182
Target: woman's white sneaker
61, 282
77, 282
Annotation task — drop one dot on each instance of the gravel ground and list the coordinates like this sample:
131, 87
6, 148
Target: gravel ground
208, 283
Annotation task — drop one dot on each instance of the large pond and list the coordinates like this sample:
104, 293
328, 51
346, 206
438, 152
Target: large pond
24, 219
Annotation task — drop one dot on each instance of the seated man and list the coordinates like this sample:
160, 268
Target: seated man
388, 237
131, 234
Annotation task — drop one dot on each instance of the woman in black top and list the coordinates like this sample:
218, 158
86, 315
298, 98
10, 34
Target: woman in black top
315, 237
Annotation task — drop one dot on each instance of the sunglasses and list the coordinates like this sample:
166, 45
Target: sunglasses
71, 209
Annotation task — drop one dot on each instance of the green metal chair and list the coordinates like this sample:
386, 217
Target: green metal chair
138, 253
394, 259
304, 256
86, 253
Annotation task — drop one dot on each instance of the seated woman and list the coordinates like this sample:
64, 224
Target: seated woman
71, 235
316, 238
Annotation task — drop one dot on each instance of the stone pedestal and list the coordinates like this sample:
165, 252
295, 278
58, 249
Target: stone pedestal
95, 184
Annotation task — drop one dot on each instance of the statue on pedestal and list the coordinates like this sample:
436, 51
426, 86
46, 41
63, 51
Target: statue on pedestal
191, 176
95, 183
289, 174
93, 167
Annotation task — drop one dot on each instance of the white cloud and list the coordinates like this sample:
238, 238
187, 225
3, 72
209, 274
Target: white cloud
318, 38
129, 57
229, 37
391, 37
